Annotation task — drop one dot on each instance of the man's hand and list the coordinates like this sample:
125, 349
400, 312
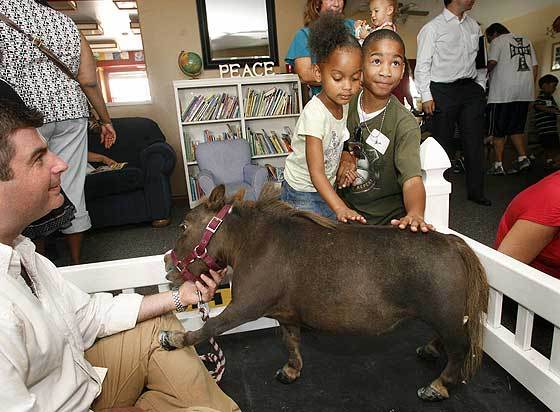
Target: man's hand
414, 221
346, 172
188, 290
429, 107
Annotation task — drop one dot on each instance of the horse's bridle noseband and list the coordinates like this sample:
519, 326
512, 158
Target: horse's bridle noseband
200, 252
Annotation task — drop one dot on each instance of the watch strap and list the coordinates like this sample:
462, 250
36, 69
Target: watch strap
177, 301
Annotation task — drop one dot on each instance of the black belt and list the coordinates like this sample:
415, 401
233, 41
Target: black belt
459, 82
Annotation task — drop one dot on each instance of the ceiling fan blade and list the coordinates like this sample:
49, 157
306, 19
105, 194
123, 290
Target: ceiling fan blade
417, 12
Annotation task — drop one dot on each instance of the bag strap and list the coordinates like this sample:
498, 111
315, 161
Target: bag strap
36, 40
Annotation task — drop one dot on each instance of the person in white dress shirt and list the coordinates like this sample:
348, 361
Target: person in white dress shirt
47, 323
452, 89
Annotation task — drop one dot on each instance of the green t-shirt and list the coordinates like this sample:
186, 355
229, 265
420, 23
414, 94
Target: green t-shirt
379, 196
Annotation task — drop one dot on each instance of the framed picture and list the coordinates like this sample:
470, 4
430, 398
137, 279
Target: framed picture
242, 31
555, 57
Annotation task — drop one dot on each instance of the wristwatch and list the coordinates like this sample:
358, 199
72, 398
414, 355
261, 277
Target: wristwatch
177, 301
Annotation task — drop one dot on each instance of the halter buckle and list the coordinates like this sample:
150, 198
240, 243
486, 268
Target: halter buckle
213, 224
37, 41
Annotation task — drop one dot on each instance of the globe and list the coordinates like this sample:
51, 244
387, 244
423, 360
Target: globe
190, 63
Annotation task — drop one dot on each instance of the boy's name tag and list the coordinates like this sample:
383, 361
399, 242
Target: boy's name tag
378, 141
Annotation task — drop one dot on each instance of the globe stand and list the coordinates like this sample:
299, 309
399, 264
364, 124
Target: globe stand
190, 64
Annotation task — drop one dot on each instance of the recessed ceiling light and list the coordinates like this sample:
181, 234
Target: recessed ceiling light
63, 4
90, 28
125, 5
107, 45
135, 27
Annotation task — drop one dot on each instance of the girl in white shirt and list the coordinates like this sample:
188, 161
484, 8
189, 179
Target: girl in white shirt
321, 131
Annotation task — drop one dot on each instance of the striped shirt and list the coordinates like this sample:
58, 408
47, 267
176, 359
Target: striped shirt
545, 122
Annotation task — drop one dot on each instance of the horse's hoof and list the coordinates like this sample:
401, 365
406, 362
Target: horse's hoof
282, 377
164, 341
429, 393
424, 353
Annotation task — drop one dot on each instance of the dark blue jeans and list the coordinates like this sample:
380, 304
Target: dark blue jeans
309, 201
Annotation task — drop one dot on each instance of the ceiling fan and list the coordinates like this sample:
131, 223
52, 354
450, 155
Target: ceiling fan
404, 10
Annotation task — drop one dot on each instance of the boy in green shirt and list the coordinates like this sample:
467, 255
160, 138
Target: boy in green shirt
379, 176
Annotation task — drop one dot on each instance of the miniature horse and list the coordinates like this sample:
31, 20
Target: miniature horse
303, 270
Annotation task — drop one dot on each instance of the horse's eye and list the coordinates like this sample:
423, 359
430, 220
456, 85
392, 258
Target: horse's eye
183, 226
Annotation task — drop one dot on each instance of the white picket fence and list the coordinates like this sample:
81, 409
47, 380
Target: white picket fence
534, 291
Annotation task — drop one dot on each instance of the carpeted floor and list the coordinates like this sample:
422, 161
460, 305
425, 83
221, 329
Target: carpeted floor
347, 373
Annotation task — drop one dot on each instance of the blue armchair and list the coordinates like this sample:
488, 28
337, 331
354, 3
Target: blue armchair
228, 162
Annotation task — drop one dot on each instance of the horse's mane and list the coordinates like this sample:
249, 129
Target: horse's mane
269, 202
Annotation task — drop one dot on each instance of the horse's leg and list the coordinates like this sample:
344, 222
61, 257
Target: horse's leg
231, 317
292, 369
456, 346
431, 351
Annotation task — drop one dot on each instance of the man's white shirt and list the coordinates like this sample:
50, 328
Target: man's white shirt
43, 337
512, 78
447, 50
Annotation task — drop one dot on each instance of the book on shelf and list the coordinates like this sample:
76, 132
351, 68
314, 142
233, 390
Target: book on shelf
210, 107
268, 142
280, 142
272, 102
275, 174
196, 190
233, 132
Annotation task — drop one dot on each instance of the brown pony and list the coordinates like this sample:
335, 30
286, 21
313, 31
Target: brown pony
304, 270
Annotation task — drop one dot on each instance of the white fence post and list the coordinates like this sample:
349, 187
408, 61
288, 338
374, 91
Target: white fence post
434, 161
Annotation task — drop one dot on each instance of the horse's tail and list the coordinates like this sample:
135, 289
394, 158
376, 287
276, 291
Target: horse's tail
476, 303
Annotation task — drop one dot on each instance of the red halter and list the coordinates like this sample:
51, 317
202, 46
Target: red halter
199, 251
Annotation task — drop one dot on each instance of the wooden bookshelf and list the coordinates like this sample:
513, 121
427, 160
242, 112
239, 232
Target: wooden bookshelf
220, 109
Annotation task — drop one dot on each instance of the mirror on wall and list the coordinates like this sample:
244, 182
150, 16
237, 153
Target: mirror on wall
242, 32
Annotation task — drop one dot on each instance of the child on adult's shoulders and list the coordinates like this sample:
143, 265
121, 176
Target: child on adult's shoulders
384, 148
320, 132
382, 14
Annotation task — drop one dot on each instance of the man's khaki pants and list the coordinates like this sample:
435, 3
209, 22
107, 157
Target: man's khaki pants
142, 374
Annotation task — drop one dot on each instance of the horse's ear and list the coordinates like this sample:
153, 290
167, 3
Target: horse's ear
217, 198
238, 197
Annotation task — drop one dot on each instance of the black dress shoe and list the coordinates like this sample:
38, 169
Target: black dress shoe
480, 201
458, 166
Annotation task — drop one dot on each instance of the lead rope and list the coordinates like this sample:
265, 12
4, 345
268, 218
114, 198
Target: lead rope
216, 357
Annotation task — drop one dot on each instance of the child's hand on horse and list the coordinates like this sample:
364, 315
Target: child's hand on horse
345, 214
414, 221
188, 292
